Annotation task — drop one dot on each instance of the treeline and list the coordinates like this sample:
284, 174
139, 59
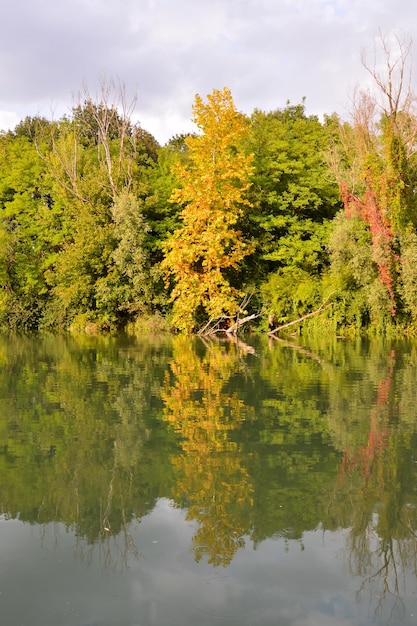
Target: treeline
268, 214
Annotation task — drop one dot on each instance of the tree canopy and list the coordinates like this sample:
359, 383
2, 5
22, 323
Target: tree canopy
265, 215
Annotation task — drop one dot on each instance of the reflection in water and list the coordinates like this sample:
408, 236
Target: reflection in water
212, 481
252, 446
382, 542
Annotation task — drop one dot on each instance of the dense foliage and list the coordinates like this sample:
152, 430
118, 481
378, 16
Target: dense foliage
271, 214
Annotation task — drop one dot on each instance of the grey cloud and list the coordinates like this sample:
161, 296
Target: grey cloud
167, 50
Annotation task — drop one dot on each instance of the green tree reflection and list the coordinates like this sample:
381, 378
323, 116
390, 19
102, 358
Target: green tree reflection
79, 431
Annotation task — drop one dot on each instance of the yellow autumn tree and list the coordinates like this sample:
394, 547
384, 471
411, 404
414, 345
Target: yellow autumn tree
200, 254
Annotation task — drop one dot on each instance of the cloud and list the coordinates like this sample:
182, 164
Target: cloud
265, 51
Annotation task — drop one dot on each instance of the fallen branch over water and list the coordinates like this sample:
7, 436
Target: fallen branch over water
225, 324
215, 326
321, 308
232, 330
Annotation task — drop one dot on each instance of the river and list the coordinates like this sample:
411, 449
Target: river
180, 482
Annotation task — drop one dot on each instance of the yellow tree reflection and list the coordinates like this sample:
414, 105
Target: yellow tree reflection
212, 480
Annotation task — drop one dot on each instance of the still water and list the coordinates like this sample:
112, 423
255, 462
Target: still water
176, 482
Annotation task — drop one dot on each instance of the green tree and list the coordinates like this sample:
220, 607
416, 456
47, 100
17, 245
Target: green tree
127, 289
31, 228
161, 215
294, 196
294, 193
100, 163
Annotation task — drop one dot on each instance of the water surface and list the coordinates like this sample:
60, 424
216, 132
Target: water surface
180, 482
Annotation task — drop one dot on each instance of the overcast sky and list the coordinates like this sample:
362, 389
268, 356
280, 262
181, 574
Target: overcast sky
166, 51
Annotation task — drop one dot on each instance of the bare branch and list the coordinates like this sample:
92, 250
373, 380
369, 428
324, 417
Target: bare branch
393, 81
65, 172
111, 112
321, 308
